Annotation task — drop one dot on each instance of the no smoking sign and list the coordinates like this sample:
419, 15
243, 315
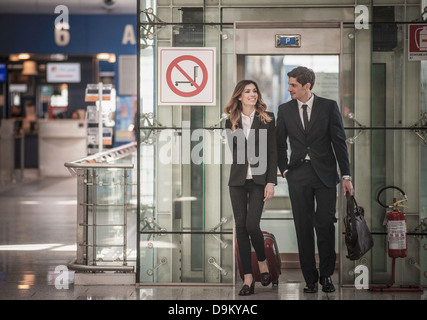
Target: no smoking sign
186, 76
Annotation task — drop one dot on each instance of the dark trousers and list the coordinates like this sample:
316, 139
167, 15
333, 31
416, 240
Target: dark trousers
247, 202
306, 190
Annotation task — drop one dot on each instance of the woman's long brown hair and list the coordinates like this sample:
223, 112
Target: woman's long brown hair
234, 107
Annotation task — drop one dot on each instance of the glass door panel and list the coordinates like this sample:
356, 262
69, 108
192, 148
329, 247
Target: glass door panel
270, 72
184, 236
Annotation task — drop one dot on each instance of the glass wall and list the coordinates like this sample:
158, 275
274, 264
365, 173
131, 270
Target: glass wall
185, 223
184, 235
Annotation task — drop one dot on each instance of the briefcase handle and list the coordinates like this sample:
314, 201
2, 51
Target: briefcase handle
351, 203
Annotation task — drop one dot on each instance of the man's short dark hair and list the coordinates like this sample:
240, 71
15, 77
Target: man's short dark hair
303, 75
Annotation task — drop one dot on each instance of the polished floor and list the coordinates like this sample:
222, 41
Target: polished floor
37, 239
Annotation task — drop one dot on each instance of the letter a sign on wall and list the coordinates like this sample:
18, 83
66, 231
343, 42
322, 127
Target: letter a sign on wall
186, 76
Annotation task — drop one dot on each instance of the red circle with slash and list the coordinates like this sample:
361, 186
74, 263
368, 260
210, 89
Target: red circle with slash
198, 87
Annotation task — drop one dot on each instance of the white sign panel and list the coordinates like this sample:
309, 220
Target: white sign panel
187, 76
67, 72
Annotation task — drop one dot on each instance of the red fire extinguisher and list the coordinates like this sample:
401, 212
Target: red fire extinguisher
396, 225
397, 244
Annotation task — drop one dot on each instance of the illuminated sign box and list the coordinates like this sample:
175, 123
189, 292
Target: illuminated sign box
284, 41
68, 72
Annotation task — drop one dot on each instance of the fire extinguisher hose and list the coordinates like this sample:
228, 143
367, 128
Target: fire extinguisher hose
397, 203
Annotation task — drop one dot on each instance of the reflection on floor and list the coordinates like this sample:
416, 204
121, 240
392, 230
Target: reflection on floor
37, 239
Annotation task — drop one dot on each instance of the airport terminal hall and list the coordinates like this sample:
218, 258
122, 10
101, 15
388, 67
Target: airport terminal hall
213, 158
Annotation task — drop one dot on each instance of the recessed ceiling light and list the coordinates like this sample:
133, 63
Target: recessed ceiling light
24, 56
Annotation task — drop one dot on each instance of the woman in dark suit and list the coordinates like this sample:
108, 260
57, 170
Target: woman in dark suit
253, 174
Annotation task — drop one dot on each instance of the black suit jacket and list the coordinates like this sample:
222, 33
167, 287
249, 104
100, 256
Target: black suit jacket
259, 151
324, 143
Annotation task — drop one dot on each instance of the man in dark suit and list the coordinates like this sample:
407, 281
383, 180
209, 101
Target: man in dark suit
317, 142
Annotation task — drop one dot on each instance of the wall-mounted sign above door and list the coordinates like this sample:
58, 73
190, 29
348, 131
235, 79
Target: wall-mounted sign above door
284, 41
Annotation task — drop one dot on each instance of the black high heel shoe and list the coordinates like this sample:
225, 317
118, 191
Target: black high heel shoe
246, 290
265, 278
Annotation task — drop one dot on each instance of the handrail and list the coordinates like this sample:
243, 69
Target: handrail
103, 159
98, 165
79, 267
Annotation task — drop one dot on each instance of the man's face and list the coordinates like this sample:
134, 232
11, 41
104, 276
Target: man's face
298, 91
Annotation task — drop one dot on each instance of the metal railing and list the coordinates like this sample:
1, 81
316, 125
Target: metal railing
104, 201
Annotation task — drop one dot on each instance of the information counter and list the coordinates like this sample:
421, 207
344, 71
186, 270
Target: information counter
60, 141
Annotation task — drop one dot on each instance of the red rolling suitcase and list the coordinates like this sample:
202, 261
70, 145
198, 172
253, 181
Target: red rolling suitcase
273, 259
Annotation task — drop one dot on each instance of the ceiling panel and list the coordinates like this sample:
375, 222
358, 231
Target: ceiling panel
74, 6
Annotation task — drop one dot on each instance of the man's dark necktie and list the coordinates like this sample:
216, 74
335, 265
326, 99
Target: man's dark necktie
305, 117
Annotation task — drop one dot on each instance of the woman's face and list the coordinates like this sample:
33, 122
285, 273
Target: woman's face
249, 96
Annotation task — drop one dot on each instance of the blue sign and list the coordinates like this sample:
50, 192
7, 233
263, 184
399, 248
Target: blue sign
283, 41
87, 34
287, 41
2, 72
125, 119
